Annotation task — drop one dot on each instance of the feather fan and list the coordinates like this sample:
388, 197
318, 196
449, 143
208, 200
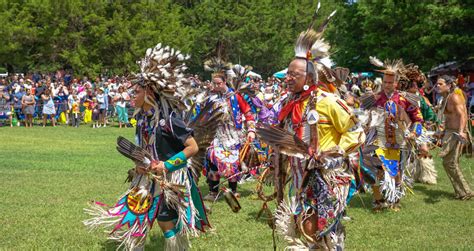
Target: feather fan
205, 127
341, 74
287, 143
412, 98
133, 152
367, 100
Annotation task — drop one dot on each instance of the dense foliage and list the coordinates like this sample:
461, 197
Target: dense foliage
93, 37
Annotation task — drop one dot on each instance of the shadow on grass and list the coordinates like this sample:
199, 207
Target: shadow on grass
264, 218
157, 242
244, 192
434, 196
110, 245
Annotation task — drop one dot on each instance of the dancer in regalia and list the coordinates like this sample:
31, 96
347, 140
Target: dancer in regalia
397, 123
224, 155
162, 184
317, 131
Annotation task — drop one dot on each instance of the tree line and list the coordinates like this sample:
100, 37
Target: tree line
107, 37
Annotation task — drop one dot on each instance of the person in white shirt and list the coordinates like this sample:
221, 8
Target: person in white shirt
121, 98
102, 100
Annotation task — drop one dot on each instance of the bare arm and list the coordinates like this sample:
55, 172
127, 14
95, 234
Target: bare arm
190, 147
459, 110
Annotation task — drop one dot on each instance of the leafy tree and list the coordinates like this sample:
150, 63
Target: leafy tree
108, 37
426, 33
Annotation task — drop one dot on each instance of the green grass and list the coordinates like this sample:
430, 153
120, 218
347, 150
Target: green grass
47, 176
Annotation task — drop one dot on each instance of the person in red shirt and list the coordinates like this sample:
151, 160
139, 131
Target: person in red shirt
398, 125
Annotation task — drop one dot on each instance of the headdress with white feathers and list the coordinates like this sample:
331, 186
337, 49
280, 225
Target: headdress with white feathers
162, 70
217, 66
391, 67
311, 46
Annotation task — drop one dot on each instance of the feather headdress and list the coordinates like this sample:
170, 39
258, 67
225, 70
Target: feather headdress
311, 46
390, 67
411, 74
162, 70
217, 66
239, 75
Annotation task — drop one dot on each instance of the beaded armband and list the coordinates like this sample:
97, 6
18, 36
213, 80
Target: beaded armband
176, 162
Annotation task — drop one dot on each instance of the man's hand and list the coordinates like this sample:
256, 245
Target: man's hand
349, 100
251, 136
463, 135
158, 167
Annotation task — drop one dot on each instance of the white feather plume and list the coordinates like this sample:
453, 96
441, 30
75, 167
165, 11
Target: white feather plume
162, 69
326, 62
375, 61
320, 49
304, 43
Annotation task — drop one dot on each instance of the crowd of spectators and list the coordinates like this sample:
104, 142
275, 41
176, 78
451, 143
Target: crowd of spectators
61, 98
51, 99
35, 99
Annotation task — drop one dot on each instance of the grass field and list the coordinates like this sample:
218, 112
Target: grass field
47, 176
